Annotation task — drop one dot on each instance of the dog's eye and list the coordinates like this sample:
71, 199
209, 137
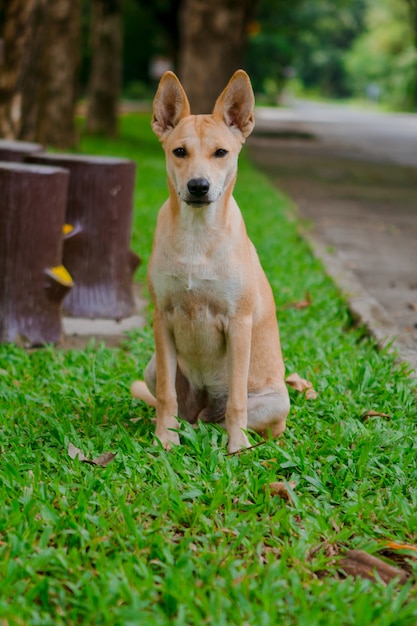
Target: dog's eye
220, 153
180, 152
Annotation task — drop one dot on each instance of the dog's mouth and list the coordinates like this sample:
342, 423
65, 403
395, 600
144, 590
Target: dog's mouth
198, 203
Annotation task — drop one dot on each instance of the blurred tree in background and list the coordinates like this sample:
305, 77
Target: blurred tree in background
38, 72
54, 51
150, 30
383, 58
273, 37
105, 77
312, 44
213, 37
412, 5
328, 29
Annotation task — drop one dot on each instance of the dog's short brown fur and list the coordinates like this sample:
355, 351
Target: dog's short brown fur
217, 349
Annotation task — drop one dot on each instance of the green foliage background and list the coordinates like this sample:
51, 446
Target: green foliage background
320, 48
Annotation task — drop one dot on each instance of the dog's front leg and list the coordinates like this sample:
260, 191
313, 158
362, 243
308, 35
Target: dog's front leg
166, 396
238, 360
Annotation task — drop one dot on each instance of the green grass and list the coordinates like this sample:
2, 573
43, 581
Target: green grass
194, 536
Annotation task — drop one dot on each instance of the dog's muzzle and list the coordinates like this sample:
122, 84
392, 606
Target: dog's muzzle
198, 189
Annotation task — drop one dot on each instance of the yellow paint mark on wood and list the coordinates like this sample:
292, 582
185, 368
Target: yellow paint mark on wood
61, 275
67, 229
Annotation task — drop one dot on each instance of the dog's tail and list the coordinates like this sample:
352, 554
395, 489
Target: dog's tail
141, 391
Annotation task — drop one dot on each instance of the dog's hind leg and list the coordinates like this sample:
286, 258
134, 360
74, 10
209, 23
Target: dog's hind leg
267, 412
190, 401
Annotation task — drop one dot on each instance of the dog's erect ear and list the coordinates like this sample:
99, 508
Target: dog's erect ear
169, 106
236, 103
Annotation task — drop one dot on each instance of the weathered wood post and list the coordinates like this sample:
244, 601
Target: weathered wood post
17, 150
97, 234
33, 281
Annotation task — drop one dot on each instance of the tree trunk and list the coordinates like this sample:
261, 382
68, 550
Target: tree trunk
32, 280
106, 69
97, 239
17, 36
34, 75
37, 77
59, 64
213, 36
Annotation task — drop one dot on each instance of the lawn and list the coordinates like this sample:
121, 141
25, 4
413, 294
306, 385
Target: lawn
195, 536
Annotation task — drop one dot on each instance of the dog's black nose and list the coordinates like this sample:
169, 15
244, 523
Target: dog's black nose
198, 187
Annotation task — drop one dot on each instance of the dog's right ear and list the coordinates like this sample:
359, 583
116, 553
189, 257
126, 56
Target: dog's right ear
169, 106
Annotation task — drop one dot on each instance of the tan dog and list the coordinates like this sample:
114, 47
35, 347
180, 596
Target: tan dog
217, 349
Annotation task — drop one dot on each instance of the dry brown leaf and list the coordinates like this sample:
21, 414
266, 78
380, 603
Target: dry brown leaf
300, 304
280, 489
152, 420
372, 413
413, 306
74, 452
229, 531
296, 382
302, 385
269, 462
103, 460
330, 550
393, 545
358, 563
311, 394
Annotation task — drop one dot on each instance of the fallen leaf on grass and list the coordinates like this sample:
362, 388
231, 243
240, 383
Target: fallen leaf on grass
393, 545
403, 555
103, 460
371, 413
300, 304
302, 385
280, 489
311, 394
358, 563
74, 452
269, 463
135, 420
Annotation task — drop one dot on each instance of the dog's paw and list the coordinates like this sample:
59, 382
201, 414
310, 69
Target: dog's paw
167, 440
239, 442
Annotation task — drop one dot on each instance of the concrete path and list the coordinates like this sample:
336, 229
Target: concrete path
353, 176
78, 331
385, 137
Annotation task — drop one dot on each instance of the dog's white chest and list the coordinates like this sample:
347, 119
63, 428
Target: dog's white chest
195, 281
197, 276
175, 286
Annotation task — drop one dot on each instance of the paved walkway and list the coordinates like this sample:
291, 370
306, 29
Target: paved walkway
353, 176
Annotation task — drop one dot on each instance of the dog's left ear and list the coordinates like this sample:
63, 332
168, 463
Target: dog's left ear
235, 105
169, 106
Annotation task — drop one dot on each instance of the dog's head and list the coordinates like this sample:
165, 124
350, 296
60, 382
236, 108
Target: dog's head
202, 150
